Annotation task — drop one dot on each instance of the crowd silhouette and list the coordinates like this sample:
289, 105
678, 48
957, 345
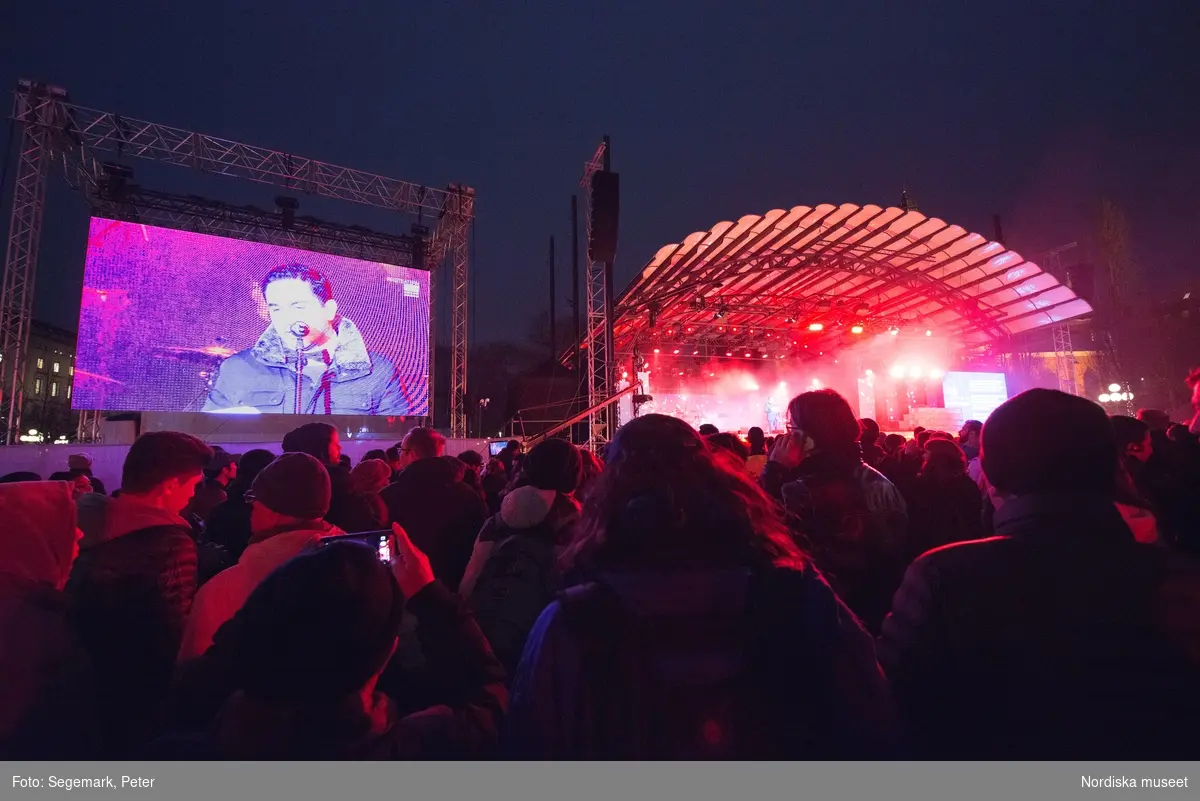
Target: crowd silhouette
1024, 589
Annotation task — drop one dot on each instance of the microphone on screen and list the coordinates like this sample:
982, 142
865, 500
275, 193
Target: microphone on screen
299, 330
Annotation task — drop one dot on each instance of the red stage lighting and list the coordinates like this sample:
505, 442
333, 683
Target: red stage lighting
816, 327
747, 355
675, 351
695, 353
856, 329
656, 350
728, 353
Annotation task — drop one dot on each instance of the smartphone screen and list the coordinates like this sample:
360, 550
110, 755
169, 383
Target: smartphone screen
382, 541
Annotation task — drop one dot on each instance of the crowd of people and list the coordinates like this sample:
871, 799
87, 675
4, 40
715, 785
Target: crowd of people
1021, 589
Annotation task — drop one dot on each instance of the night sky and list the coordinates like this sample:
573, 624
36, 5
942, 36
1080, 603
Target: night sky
1032, 110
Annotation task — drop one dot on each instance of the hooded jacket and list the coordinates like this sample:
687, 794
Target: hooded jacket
441, 514
47, 688
130, 592
220, 599
513, 571
355, 381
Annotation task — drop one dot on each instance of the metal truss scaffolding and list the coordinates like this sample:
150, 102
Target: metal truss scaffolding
1064, 348
20, 261
597, 337
54, 130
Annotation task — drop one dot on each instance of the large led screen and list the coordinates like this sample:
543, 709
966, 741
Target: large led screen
174, 321
976, 394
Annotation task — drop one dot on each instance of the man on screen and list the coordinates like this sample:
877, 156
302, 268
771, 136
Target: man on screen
338, 374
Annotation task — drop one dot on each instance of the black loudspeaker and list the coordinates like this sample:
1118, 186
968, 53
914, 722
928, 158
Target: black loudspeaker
606, 206
1081, 278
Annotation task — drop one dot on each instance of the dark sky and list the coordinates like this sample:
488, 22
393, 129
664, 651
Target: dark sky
716, 110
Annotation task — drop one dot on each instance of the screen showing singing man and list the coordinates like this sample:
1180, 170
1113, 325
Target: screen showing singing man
310, 360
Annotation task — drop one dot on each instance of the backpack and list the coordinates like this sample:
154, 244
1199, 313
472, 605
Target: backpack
777, 705
516, 583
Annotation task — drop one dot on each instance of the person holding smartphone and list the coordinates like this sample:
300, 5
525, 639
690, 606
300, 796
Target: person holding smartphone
295, 674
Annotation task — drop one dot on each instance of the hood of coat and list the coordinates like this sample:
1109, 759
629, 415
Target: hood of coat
38, 537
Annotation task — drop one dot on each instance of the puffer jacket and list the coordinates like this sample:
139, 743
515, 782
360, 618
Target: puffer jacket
130, 593
355, 381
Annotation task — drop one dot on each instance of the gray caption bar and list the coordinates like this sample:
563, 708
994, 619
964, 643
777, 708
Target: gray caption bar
613, 781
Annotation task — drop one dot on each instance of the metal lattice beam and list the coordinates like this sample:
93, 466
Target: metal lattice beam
254, 224
1064, 348
459, 216
20, 262
64, 131
599, 370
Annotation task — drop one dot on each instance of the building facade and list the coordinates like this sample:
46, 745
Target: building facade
49, 377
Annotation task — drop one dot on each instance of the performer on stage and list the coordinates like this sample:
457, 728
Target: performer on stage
339, 374
774, 419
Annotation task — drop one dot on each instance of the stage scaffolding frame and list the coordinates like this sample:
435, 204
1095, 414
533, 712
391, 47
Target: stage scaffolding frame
598, 342
1064, 347
51, 129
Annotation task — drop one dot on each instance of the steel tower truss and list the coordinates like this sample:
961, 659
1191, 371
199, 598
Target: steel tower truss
601, 421
20, 261
53, 129
1064, 347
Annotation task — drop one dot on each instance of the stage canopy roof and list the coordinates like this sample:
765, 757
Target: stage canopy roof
757, 286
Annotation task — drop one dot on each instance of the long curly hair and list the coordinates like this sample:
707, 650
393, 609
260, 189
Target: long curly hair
664, 500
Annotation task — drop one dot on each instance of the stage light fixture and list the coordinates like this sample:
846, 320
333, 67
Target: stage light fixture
1114, 387
928, 332
856, 329
862, 309
893, 330
764, 355
936, 373
676, 351
1104, 397
728, 353
914, 372
869, 372
824, 304
897, 371
747, 355
656, 350
790, 320
816, 327
695, 353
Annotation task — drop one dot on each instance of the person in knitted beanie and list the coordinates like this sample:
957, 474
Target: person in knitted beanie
288, 500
